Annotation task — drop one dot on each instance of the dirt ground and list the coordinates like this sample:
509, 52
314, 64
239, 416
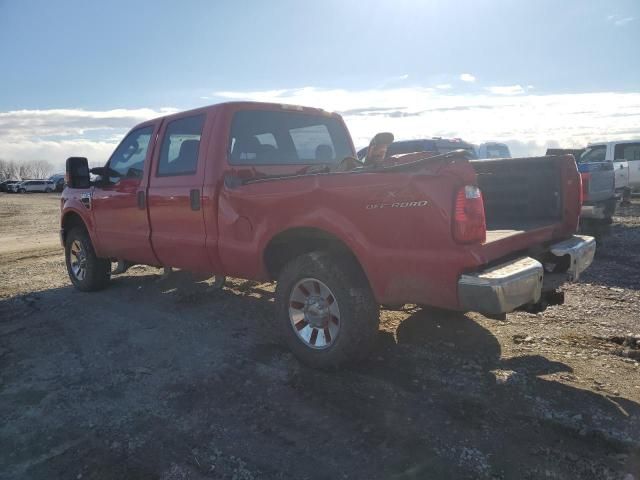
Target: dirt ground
169, 379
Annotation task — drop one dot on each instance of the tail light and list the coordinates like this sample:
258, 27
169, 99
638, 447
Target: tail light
585, 178
469, 224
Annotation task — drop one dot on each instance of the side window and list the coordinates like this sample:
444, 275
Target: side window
128, 159
627, 151
180, 146
594, 154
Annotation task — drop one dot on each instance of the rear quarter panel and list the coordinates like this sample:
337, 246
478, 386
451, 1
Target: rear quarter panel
397, 224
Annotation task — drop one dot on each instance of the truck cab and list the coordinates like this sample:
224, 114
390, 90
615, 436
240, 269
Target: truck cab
625, 156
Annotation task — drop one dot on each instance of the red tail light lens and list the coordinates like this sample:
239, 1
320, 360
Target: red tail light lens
585, 177
469, 225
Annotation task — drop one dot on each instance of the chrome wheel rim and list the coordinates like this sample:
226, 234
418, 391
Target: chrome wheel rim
78, 260
314, 313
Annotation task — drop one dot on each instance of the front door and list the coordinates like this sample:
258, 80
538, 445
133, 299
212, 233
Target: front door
119, 205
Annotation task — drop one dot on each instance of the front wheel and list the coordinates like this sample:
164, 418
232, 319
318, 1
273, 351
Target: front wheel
86, 271
48, 190
326, 310
22, 190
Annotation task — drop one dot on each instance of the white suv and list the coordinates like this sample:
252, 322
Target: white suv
36, 186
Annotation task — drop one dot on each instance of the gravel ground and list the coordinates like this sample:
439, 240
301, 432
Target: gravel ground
168, 379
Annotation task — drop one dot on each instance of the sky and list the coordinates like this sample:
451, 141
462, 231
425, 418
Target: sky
76, 75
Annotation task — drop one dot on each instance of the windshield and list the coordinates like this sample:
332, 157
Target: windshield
498, 151
597, 153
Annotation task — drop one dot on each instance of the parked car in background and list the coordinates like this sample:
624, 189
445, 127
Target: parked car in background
58, 180
598, 189
36, 186
437, 145
4, 186
273, 192
13, 187
625, 155
493, 150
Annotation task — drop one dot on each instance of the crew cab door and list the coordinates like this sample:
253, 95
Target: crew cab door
629, 154
178, 233
118, 204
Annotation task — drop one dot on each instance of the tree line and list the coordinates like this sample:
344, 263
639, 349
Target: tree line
33, 169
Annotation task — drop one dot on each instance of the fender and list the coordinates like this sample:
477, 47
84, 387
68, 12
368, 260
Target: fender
74, 205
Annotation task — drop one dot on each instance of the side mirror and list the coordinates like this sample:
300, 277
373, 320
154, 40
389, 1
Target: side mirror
377, 150
77, 173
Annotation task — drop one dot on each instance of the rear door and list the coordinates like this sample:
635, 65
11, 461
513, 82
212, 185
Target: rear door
629, 153
178, 232
620, 167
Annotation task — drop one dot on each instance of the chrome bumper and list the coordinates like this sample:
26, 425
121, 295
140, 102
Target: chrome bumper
593, 211
504, 288
580, 249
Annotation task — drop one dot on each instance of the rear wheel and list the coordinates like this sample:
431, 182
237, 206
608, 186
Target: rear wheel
47, 190
326, 310
22, 190
86, 271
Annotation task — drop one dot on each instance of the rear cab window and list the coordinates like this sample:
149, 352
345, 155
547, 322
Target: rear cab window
627, 151
266, 137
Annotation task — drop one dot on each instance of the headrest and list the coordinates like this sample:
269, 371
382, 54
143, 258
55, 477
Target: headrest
324, 153
189, 148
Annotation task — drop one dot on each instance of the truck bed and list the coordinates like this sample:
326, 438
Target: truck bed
520, 194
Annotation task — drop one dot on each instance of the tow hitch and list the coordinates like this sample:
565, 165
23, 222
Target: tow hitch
552, 297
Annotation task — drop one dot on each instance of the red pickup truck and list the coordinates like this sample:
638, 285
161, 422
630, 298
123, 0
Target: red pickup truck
274, 192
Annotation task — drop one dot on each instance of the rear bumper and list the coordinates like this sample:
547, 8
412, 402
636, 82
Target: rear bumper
599, 210
504, 288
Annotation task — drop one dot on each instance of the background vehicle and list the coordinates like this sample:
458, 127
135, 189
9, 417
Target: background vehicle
58, 181
625, 155
493, 150
272, 192
28, 186
4, 186
437, 145
13, 187
598, 190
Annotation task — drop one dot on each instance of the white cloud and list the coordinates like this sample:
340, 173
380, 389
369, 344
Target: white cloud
56, 134
506, 90
619, 20
444, 86
467, 77
529, 123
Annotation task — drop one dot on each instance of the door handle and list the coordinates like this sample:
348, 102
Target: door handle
194, 198
141, 199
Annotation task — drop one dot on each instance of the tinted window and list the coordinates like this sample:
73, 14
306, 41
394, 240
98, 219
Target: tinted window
627, 151
596, 153
286, 138
128, 159
180, 146
498, 151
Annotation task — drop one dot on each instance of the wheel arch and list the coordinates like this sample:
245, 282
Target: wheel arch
70, 220
293, 242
